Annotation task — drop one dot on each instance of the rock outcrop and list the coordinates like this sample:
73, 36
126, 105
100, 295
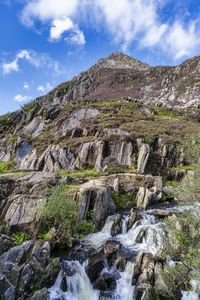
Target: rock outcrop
25, 268
147, 196
95, 196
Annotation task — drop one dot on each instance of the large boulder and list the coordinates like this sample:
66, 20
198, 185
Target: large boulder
96, 264
96, 196
147, 196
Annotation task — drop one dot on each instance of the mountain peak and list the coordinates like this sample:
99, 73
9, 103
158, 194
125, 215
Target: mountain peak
118, 60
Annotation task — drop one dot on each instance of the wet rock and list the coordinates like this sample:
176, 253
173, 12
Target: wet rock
137, 266
67, 269
6, 243
107, 281
63, 284
161, 213
110, 280
121, 260
132, 219
117, 225
41, 295
111, 247
96, 264
100, 284
7, 290
140, 235
147, 269
51, 272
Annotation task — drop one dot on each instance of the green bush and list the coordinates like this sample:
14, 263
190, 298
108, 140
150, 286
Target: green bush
20, 237
60, 212
86, 227
31, 105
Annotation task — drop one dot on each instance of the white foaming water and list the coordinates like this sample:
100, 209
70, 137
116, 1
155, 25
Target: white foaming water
78, 285
97, 239
125, 289
151, 240
192, 295
124, 224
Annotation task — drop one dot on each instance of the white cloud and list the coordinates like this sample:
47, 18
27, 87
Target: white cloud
59, 12
154, 35
182, 40
26, 86
45, 88
38, 60
10, 67
76, 38
20, 98
59, 26
126, 21
47, 10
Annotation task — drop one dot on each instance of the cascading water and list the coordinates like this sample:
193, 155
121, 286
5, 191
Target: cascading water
79, 286
151, 235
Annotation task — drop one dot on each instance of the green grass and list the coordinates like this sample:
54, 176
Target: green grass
6, 167
88, 173
20, 237
123, 201
12, 138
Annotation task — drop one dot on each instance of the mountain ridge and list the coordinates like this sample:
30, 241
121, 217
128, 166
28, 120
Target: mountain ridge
119, 76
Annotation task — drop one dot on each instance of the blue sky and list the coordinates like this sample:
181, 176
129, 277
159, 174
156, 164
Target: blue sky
46, 42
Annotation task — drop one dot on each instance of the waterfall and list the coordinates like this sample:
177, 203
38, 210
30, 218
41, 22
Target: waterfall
97, 239
144, 235
151, 235
125, 289
78, 285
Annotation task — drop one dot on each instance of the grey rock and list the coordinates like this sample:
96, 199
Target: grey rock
111, 247
6, 243
145, 197
117, 225
96, 264
22, 151
98, 194
7, 290
42, 294
116, 185
15, 254
143, 156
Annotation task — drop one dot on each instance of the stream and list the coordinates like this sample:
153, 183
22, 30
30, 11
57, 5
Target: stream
78, 284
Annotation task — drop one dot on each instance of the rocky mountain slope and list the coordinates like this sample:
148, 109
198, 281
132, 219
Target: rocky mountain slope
112, 139
122, 76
